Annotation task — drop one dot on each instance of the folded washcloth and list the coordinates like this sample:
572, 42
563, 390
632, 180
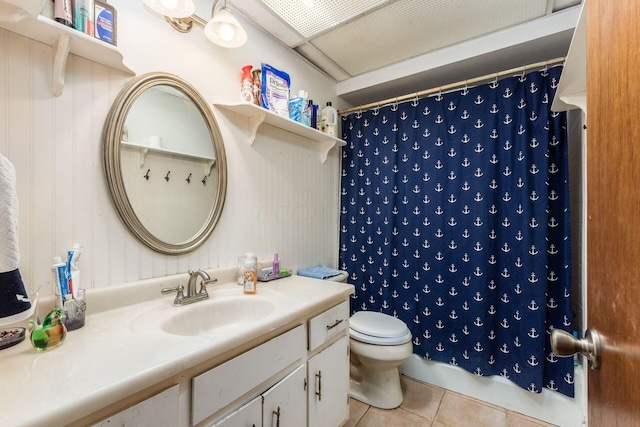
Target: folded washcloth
319, 272
14, 302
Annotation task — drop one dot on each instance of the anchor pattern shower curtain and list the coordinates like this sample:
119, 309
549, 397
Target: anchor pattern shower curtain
455, 219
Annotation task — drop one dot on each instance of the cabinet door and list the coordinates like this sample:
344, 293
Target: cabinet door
249, 415
329, 385
161, 409
284, 404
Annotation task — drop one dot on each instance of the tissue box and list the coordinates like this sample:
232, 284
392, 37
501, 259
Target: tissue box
105, 22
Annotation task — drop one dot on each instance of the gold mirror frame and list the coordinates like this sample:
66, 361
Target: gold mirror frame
112, 161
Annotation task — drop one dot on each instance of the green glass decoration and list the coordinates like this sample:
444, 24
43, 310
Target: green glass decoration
51, 333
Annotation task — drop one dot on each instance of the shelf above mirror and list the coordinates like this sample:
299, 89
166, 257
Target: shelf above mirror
258, 116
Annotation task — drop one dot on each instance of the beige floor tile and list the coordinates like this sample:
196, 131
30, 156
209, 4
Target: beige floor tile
395, 417
420, 398
519, 420
357, 410
460, 411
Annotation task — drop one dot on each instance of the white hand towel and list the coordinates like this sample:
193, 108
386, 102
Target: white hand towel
14, 302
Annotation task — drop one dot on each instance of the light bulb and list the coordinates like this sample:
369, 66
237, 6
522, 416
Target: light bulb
226, 32
169, 4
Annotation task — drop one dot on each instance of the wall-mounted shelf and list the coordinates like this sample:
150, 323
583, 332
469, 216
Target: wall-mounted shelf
572, 88
145, 149
258, 116
65, 40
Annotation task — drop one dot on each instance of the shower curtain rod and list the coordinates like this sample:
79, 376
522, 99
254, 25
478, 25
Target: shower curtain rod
451, 86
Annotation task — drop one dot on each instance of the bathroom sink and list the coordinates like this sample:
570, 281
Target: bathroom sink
218, 316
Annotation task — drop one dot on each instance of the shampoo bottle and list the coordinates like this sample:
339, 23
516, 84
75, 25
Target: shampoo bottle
330, 120
250, 273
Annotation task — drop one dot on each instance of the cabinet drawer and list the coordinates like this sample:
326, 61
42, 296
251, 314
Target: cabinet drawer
218, 387
328, 324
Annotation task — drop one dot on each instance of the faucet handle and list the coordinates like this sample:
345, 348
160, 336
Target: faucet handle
179, 293
204, 283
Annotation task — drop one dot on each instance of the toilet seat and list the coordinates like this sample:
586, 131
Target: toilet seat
378, 328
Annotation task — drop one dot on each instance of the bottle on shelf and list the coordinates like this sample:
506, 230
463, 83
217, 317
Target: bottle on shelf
246, 85
63, 13
329, 120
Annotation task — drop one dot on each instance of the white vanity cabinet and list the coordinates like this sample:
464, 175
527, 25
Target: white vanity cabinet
247, 375
314, 393
328, 369
282, 405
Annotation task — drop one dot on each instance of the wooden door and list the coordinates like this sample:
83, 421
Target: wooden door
613, 226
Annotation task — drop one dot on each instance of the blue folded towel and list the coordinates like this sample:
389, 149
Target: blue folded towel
319, 272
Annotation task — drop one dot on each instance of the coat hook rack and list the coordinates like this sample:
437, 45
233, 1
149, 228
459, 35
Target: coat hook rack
189, 179
167, 177
204, 180
146, 176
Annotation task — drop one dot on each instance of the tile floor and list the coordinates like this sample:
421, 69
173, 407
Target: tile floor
429, 406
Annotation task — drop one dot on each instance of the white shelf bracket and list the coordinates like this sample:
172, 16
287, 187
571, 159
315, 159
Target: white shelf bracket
60, 54
254, 124
209, 167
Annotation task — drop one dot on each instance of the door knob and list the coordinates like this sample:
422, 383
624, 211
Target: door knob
564, 344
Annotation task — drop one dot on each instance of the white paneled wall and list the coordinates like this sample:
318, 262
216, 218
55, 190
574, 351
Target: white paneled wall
279, 196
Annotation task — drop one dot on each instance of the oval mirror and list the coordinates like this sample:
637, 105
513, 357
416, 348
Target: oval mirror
165, 163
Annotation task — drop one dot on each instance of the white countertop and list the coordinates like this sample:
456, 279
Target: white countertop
121, 350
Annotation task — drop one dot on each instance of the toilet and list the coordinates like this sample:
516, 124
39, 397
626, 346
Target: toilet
379, 345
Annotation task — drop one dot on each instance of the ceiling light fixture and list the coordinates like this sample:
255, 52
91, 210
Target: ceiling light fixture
223, 29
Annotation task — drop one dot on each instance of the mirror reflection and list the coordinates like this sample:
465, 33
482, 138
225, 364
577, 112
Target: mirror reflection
165, 163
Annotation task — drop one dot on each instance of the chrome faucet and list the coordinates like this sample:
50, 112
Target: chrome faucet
192, 296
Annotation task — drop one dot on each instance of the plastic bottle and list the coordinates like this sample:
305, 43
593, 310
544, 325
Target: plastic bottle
63, 13
83, 16
329, 119
246, 92
313, 114
276, 265
257, 87
250, 273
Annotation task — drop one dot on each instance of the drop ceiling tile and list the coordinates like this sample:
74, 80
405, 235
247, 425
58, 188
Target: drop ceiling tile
312, 17
407, 28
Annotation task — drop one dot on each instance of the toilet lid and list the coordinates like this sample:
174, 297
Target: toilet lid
368, 339
378, 325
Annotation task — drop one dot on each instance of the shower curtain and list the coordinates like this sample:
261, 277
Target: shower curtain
455, 219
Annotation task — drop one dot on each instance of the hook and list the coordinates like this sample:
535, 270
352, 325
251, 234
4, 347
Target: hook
146, 176
167, 177
189, 179
416, 101
204, 180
